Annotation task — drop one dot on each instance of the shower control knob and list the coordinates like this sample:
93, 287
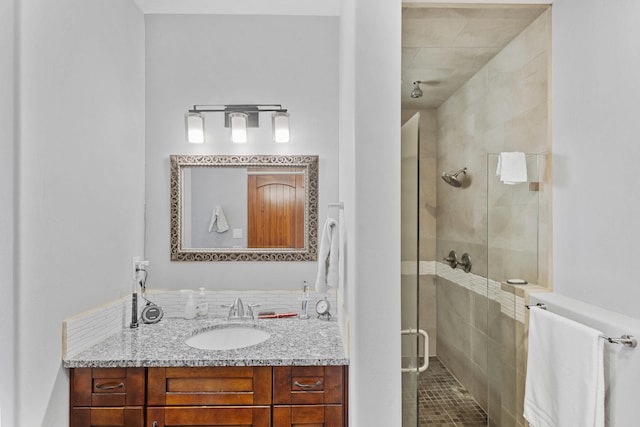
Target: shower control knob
465, 262
452, 259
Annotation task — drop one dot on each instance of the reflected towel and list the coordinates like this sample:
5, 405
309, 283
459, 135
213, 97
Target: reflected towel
328, 257
218, 221
565, 373
512, 167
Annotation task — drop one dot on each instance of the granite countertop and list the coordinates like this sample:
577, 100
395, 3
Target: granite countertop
293, 342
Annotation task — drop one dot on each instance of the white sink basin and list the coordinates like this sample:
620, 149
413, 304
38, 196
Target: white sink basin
228, 338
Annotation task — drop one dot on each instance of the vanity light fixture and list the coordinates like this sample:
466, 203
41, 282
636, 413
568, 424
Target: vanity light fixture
238, 117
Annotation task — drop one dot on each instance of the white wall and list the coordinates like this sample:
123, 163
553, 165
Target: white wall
370, 187
7, 335
224, 59
232, 197
596, 208
80, 180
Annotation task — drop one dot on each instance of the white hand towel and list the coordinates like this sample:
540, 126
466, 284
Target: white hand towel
565, 373
218, 221
328, 256
512, 168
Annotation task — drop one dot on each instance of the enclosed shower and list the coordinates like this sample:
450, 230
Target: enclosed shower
466, 232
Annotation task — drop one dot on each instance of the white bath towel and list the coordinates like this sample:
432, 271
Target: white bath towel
218, 221
565, 373
328, 256
512, 168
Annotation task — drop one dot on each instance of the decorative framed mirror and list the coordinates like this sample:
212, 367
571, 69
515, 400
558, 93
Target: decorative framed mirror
244, 208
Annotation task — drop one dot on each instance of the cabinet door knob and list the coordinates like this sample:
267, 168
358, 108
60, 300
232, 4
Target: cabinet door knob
109, 386
317, 384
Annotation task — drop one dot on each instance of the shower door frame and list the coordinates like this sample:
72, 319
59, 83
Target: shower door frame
410, 281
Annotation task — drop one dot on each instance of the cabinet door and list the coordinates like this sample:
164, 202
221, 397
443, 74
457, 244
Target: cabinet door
308, 416
107, 417
227, 416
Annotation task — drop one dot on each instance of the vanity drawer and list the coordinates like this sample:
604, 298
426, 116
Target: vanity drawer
308, 415
107, 386
304, 385
229, 385
227, 416
112, 417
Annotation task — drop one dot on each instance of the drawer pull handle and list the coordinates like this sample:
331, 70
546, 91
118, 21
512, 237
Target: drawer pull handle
317, 384
109, 386
155, 424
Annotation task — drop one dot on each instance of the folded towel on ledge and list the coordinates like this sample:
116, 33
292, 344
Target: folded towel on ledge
218, 221
565, 373
328, 257
512, 168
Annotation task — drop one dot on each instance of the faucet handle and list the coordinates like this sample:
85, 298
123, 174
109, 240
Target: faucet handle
240, 310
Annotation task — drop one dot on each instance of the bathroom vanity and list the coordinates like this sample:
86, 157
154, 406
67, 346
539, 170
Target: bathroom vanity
149, 377
260, 396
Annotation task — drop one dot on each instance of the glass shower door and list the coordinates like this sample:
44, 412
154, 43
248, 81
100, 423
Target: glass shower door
411, 339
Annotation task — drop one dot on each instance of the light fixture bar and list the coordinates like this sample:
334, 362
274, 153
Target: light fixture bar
237, 107
238, 117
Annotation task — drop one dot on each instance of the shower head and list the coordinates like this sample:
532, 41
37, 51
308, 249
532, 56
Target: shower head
452, 178
416, 92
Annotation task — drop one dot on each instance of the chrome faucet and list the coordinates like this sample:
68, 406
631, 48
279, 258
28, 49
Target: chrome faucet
239, 311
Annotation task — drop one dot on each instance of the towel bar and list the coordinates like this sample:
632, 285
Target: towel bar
542, 306
625, 340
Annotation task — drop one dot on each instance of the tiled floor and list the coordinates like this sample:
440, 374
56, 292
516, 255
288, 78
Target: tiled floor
443, 402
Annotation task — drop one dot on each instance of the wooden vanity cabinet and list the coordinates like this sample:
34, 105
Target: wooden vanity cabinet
112, 397
259, 396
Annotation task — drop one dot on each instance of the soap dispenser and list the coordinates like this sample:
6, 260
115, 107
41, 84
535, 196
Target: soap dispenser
202, 308
190, 305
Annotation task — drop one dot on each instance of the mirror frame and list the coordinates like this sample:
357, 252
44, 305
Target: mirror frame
310, 250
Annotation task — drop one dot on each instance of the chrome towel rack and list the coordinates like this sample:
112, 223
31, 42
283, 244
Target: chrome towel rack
626, 340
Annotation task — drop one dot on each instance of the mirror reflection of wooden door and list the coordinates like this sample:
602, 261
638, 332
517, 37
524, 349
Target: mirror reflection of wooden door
276, 209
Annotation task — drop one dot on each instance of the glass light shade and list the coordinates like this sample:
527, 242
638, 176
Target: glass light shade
194, 126
238, 124
280, 123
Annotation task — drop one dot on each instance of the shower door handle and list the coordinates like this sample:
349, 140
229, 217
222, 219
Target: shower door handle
425, 343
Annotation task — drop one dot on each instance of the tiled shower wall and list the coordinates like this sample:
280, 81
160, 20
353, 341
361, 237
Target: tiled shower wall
481, 340
504, 107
